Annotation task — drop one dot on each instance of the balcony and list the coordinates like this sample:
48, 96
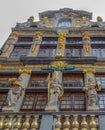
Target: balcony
52, 121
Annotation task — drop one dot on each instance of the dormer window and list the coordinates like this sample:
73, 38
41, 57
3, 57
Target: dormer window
65, 22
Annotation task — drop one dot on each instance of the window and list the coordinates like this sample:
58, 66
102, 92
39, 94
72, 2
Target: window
101, 101
20, 51
97, 40
4, 83
98, 52
101, 78
25, 39
73, 52
49, 40
47, 52
72, 81
72, 102
39, 81
65, 22
74, 40
34, 101
3, 100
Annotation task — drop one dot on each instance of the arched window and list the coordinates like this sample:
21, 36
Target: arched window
65, 22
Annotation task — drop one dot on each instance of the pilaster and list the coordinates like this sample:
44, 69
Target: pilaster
61, 44
17, 91
91, 88
35, 45
86, 44
55, 91
9, 46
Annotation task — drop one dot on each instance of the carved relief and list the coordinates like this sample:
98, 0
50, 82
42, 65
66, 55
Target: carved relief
15, 91
86, 36
56, 90
33, 47
91, 89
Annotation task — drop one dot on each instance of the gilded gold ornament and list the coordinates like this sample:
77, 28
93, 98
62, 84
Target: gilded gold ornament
58, 63
6, 47
75, 123
14, 82
38, 34
10, 38
59, 54
92, 124
1, 124
99, 18
26, 71
31, 18
16, 34
75, 129
93, 129
86, 36
45, 19
84, 129
89, 70
17, 124
34, 124
84, 19
66, 124
66, 129
33, 47
26, 124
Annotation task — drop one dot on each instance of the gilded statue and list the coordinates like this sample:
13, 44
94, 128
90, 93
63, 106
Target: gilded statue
84, 20
87, 48
86, 35
33, 47
45, 19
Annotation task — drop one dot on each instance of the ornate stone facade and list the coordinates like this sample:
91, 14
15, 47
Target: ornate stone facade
53, 70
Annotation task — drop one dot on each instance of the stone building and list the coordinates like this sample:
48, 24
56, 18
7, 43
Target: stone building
52, 73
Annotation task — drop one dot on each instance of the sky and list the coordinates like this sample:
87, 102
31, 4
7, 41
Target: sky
15, 11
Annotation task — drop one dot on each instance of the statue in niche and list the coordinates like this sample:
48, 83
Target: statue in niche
91, 90
15, 92
56, 91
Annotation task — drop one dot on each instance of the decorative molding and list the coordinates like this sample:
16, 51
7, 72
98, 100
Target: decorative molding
6, 47
22, 71
89, 70
33, 47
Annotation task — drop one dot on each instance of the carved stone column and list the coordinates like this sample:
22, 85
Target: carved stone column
36, 44
17, 91
61, 44
9, 46
91, 88
55, 91
86, 44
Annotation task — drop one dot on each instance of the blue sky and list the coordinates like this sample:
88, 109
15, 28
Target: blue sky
13, 11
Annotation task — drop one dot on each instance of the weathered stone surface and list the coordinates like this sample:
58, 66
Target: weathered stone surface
102, 122
46, 122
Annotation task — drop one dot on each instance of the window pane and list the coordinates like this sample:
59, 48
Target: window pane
3, 100
73, 81
102, 101
72, 102
28, 101
20, 51
101, 78
38, 82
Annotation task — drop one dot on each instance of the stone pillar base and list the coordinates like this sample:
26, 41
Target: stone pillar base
51, 108
8, 109
95, 108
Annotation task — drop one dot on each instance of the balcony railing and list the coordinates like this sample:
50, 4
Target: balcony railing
52, 121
